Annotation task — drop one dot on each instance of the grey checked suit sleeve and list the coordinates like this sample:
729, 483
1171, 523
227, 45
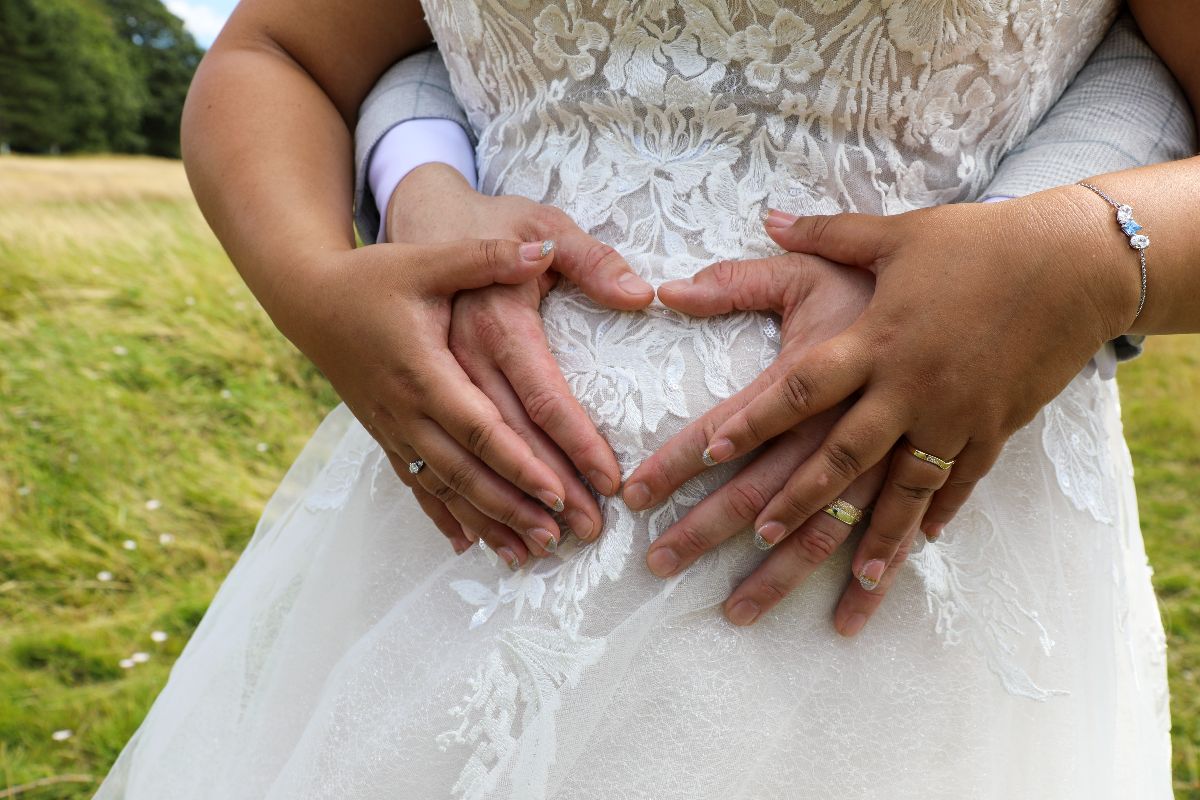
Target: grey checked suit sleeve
417, 87
1123, 110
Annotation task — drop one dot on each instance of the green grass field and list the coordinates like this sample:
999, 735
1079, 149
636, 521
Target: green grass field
148, 408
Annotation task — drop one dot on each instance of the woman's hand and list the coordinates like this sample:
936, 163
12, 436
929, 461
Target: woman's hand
497, 337
981, 315
815, 300
379, 328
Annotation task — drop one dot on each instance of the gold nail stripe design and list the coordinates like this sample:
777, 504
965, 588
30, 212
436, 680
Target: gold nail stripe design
844, 512
867, 582
761, 543
707, 458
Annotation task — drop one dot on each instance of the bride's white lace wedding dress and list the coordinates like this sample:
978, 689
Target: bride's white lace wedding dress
350, 654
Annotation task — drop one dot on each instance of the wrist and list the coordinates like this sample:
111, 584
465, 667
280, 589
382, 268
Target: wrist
432, 191
1089, 248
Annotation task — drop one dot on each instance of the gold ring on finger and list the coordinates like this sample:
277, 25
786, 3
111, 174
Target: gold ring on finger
932, 459
845, 512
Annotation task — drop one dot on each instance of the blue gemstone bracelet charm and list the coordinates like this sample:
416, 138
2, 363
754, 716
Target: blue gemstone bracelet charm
1130, 227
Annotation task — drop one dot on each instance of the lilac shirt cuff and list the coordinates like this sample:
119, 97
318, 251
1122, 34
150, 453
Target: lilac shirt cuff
409, 145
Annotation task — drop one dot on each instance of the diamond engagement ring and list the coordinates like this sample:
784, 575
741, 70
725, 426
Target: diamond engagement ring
932, 459
416, 466
844, 512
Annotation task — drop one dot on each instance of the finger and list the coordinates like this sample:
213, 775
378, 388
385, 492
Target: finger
861, 438
858, 604
817, 381
582, 514
750, 285
901, 505
472, 263
728, 511
434, 509
857, 239
791, 562
975, 461
468, 415
530, 369
464, 474
599, 270
682, 457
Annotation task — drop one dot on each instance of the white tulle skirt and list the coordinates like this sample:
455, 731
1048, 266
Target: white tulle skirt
351, 654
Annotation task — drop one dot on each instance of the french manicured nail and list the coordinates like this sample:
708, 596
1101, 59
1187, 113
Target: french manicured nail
601, 482
580, 523
509, 558
717, 452
853, 624
778, 219
551, 501
632, 284
663, 561
536, 251
544, 538
460, 546
744, 612
934, 531
768, 535
871, 574
470, 534
637, 496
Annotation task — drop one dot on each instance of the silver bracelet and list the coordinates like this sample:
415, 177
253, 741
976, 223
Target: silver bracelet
1130, 227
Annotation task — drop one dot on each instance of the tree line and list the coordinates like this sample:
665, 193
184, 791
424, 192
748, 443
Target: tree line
93, 76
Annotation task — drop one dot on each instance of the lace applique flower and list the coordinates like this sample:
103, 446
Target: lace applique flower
943, 32
784, 49
584, 36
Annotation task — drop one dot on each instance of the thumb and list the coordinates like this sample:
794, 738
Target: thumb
752, 285
599, 271
474, 263
855, 239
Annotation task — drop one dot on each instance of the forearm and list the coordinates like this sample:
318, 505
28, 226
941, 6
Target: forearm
268, 157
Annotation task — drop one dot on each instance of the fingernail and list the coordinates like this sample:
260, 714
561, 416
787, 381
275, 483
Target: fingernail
934, 531
601, 482
580, 523
637, 496
670, 286
717, 452
871, 573
778, 219
460, 546
768, 535
853, 624
510, 558
663, 561
544, 538
632, 284
470, 534
536, 251
744, 612
551, 501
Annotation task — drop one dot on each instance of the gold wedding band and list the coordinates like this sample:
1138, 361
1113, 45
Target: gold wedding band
844, 512
932, 459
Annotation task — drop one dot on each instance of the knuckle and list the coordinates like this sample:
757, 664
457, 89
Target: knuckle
842, 461
480, 435
462, 478
488, 253
546, 406
816, 545
546, 220
489, 334
724, 273
771, 588
444, 494
912, 494
744, 499
797, 391
690, 540
891, 537
596, 257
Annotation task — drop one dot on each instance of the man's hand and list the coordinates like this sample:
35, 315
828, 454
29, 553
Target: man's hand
497, 337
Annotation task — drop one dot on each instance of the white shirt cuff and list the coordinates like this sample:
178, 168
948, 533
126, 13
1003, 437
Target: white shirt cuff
409, 145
